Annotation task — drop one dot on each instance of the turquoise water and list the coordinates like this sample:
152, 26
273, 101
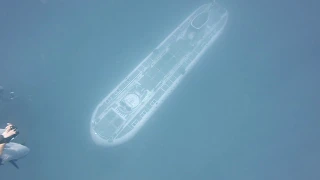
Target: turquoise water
248, 110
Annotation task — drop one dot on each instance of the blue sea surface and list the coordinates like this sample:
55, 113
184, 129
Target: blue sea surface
249, 110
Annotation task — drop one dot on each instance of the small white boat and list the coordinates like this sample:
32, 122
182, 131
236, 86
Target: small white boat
121, 114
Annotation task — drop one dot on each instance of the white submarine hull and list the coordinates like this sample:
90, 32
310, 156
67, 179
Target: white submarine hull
122, 113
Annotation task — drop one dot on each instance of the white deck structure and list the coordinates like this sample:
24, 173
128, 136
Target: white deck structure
128, 107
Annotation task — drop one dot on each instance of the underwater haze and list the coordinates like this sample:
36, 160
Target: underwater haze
249, 110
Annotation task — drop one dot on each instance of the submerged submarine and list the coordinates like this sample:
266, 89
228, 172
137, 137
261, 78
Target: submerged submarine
124, 111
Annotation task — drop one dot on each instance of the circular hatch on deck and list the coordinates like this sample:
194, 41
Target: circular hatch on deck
132, 100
